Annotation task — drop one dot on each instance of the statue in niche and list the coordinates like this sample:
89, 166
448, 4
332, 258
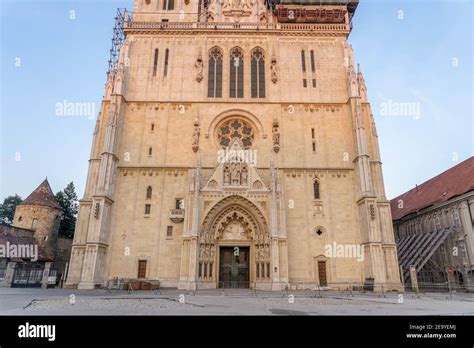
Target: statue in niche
235, 174
227, 175
266, 252
244, 174
199, 65
274, 70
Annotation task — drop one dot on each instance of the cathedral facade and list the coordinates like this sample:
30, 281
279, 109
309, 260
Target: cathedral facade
235, 147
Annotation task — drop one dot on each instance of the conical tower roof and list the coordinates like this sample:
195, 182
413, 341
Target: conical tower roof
42, 195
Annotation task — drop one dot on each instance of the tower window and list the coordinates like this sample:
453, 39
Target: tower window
169, 231
149, 192
312, 133
305, 83
167, 53
215, 73
314, 146
168, 5
236, 73
313, 69
150, 151
20, 218
258, 73
152, 127
147, 209
303, 61
316, 189
155, 62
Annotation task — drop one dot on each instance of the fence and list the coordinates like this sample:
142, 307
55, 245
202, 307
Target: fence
27, 275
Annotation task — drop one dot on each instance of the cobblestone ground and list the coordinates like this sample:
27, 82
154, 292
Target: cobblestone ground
230, 302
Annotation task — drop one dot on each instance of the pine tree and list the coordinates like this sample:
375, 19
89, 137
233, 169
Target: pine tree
67, 199
7, 209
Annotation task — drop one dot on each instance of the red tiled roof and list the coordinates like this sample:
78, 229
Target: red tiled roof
43, 195
453, 182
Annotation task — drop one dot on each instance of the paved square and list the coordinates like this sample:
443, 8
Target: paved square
229, 302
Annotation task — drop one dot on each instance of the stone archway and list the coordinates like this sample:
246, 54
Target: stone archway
234, 222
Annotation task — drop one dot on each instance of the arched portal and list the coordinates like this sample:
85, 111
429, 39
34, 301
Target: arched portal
234, 245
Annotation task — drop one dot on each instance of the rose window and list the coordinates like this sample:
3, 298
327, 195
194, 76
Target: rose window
236, 129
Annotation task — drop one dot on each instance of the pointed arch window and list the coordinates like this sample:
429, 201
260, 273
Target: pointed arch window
316, 191
155, 62
168, 5
236, 73
149, 192
258, 73
214, 89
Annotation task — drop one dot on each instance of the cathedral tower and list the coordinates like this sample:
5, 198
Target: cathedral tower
235, 147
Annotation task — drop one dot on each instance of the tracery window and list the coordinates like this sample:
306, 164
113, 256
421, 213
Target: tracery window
215, 73
236, 73
258, 73
236, 128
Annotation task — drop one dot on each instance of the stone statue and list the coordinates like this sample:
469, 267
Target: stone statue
235, 174
276, 139
226, 175
199, 65
274, 70
196, 133
276, 136
244, 175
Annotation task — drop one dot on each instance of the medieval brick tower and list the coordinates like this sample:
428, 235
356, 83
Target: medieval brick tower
41, 213
235, 147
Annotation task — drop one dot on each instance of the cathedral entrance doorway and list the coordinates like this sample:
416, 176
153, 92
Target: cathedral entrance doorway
234, 267
234, 246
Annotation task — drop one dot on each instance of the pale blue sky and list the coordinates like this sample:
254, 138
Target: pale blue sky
424, 58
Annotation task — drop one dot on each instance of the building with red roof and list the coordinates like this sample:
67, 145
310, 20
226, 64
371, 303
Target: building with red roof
433, 225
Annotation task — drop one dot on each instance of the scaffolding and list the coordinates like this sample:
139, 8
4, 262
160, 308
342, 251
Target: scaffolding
118, 38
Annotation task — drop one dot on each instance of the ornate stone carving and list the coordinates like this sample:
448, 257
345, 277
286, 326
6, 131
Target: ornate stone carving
234, 218
196, 134
276, 136
274, 69
235, 174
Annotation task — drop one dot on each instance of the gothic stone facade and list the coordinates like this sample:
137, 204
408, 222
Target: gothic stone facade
163, 203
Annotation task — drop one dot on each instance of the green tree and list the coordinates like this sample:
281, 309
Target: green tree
7, 209
67, 199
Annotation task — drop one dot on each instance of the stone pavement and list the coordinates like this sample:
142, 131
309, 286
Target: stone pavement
229, 302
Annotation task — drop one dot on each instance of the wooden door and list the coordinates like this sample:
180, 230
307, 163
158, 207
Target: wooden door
142, 269
234, 267
322, 273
